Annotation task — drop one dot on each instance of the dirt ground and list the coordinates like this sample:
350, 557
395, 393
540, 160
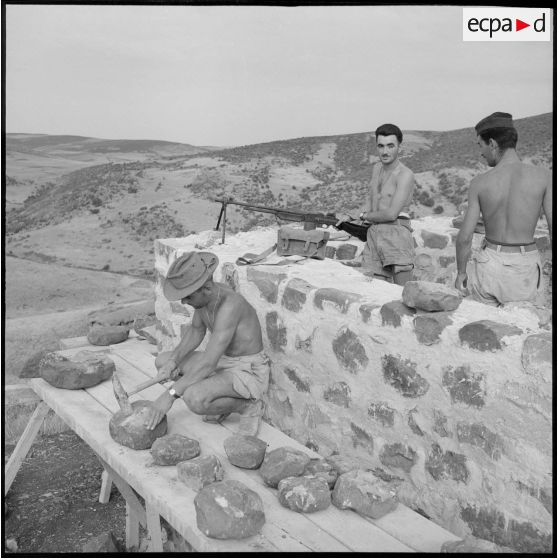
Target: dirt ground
53, 504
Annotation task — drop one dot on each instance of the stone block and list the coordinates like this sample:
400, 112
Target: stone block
246, 452
30, 368
340, 299
429, 296
229, 510
429, 327
121, 315
491, 524
482, 437
276, 331
349, 351
330, 252
282, 463
362, 438
321, 468
107, 335
447, 465
229, 276
267, 283
343, 464
434, 240
339, 394
295, 294
366, 311
301, 383
536, 356
393, 311
464, 386
200, 471
440, 424
411, 421
486, 335
403, 376
346, 251
382, 412
83, 370
174, 448
364, 493
399, 456
306, 494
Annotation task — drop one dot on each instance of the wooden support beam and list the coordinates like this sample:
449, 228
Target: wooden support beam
24, 444
106, 487
154, 529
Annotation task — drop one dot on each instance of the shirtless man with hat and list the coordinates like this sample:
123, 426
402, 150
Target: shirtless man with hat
510, 197
232, 374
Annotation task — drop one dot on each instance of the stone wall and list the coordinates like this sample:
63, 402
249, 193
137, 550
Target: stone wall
458, 405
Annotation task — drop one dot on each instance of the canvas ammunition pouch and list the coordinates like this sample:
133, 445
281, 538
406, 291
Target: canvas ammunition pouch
298, 242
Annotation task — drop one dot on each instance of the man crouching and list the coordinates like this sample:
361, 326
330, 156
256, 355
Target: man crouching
232, 374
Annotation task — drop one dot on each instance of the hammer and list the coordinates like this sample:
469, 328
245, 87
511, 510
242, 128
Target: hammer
146, 384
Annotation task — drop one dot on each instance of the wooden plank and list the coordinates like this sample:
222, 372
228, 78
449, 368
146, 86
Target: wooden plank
154, 528
106, 487
24, 444
132, 528
90, 421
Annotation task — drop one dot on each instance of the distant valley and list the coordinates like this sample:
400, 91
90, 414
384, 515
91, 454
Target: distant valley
99, 204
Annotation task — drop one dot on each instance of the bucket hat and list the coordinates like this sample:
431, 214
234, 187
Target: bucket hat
188, 273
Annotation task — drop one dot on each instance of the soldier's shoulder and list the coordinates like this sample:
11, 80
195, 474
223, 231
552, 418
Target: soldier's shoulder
404, 170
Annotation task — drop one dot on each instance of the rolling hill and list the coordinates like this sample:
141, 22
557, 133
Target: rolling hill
100, 203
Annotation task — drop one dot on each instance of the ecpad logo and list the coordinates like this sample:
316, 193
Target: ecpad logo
507, 24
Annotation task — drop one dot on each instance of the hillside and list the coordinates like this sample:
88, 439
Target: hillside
100, 203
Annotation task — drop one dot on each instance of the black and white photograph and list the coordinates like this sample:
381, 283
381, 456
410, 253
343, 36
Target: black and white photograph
278, 278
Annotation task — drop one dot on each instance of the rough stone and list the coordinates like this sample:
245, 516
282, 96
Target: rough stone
366, 311
346, 251
382, 412
402, 375
544, 496
445, 261
362, 438
491, 524
200, 471
229, 510
127, 429
341, 299
247, 452
304, 494
295, 294
107, 335
543, 243
339, 394
429, 296
486, 335
434, 240
447, 465
536, 356
472, 545
276, 331
121, 315
440, 425
174, 448
365, 493
413, 423
464, 386
343, 464
267, 283
429, 327
480, 436
30, 368
330, 252
282, 463
349, 351
321, 468
229, 276
399, 456
83, 370
393, 311
304, 344
105, 542
300, 383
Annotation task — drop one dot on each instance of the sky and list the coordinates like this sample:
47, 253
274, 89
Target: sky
238, 75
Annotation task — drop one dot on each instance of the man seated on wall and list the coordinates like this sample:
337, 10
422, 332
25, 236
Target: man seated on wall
232, 374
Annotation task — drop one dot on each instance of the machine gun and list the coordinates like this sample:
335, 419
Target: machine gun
310, 220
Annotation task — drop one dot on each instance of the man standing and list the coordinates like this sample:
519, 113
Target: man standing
389, 252
232, 374
510, 197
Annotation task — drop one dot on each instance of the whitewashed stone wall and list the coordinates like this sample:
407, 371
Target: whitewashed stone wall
458, 405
